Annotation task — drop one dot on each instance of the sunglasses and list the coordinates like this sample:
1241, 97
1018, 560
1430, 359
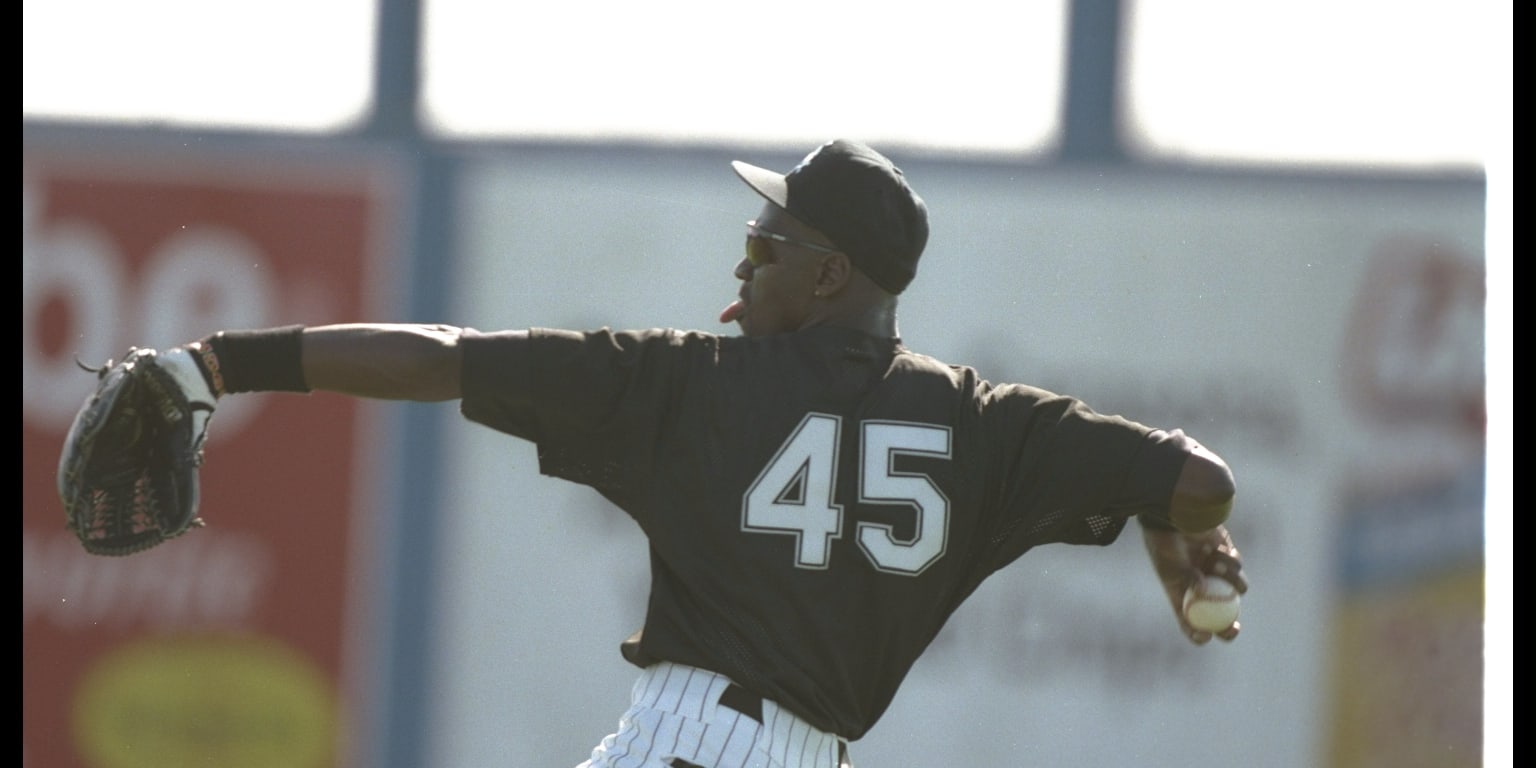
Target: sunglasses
759, 252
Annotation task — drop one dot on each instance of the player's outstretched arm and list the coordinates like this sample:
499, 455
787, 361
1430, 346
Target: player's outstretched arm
128, 470
388, 361
376, 360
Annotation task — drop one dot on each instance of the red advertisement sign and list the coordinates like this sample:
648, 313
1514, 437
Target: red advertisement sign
238, 644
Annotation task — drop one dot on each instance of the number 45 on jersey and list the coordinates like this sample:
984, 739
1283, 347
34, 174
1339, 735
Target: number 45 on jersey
795, 494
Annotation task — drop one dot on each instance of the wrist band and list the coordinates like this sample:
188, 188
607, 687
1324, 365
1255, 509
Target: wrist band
268, 360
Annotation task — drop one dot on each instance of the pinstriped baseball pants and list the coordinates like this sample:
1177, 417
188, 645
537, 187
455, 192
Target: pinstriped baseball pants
675, 718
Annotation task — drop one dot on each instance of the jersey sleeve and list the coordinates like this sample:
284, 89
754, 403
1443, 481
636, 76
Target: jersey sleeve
1073, 475
591, 401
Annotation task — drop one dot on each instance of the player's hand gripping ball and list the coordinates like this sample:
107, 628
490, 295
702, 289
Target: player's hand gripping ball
1212, 604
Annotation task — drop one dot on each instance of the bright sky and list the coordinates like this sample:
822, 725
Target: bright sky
1350, 83
1357, 82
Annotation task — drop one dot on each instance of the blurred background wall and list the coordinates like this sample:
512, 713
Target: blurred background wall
387, 585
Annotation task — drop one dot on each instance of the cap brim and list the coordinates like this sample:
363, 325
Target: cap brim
769, 184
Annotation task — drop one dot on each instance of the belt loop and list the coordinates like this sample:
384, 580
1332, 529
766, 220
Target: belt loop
743, 701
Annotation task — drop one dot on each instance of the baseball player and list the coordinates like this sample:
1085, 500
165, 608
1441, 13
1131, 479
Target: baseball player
818, 498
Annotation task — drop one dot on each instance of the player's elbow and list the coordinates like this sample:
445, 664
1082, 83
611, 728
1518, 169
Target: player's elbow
1203, 495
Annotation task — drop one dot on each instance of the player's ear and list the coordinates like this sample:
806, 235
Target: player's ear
834, 273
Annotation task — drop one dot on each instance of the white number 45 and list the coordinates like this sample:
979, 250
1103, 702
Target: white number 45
795, 494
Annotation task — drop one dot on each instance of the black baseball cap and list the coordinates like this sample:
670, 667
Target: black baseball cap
860, 200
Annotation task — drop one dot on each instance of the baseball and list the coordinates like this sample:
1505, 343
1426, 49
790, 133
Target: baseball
1212, 604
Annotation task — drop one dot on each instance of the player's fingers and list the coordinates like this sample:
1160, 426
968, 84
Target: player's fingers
1239, 581
1231, 633
1218, 561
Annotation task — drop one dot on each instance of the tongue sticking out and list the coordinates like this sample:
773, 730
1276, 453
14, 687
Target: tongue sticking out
733, 311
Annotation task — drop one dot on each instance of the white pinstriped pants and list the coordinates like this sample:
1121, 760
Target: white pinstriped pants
675, 715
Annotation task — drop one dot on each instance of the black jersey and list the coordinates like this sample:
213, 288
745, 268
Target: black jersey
817, 503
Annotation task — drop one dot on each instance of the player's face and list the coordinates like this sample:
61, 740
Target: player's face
778, 277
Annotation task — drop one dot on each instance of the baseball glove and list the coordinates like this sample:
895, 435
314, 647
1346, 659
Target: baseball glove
128, 474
